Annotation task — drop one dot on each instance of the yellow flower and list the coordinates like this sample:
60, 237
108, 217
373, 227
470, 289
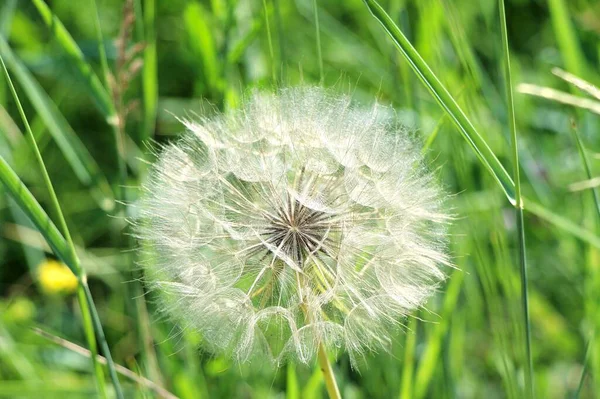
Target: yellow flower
56, 278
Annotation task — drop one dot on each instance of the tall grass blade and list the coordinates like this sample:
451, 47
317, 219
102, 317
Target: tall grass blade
445, 100
124, 371
408, 367
433, 347
91, 322
292, 390
34, 211
150, 71
566, 37
85, 71
586, 165
529, 381
6, 14
560, 96
83, 164
270, 42
593, 303
577, 82
202, 42
100, 39
318, 35
64, 250
562, 223
584, 371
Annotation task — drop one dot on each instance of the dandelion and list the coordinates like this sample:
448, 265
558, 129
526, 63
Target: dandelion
296, 223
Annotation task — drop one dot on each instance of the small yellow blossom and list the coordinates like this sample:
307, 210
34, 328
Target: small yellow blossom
56, 278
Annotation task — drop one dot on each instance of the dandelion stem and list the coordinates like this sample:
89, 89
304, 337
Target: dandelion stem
332, 389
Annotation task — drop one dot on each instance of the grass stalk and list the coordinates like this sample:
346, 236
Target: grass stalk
125, 372
408, 369
91, 322
332, 389
150, 71
444, 99
529, 382
100, 39
586, 164
270, 41
591, 341
584, 371
318, 36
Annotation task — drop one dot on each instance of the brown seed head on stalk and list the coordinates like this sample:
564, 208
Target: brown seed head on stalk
128, 64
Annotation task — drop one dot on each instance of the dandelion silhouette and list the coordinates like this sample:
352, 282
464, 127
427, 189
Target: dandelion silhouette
296, 223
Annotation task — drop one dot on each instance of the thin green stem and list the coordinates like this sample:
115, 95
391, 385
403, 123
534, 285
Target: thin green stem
584, 371
318, 35
588, 171
270, 40
510, 104
444, 99
87, 325
586, 164
90, 337
332, 389
100, 39
102, 341
280, 40
525, 304
91, 324
529, 382
408, 369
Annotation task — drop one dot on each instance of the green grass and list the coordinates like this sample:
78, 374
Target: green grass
92, 325
519, 315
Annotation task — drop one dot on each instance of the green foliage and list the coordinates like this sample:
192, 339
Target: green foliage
444, 65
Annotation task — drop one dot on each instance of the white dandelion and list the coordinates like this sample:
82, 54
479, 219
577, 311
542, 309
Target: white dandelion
298, 221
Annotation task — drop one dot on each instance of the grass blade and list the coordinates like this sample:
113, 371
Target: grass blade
34, 211
567, 39
8, 10
270, 42
586, 164
433, 348
124, 371
91, 322
100, 39
60, 247
150, 72
87, 75
560, 97
529, 382
577, 82
81, 161
202, 43
562, 223
292, 390
592, 272
241, 45
318, 35
406, 387
445, 100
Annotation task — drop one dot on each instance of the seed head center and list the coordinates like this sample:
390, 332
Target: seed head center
298, 232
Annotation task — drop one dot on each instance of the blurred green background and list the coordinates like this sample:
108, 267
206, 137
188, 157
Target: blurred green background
168, 58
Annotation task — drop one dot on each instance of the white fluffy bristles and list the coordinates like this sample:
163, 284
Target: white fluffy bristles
297, 220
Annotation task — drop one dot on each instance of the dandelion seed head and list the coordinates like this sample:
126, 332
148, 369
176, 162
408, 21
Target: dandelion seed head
296, 220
